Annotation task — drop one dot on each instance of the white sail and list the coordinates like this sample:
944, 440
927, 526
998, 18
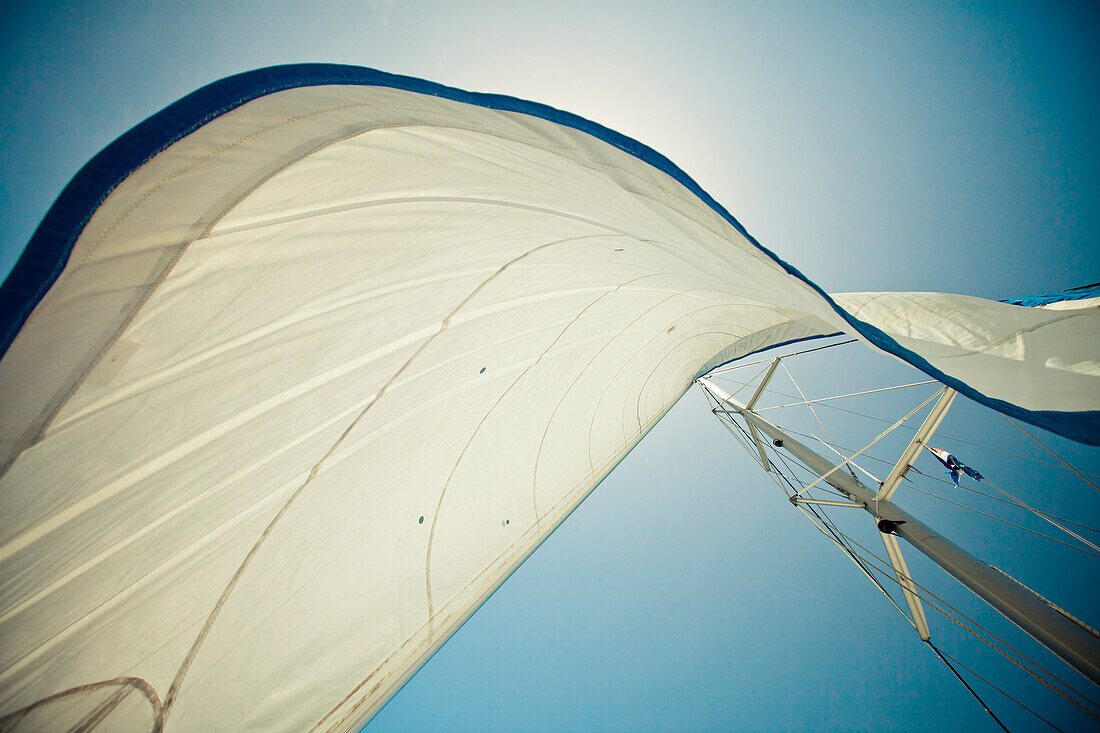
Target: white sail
302, 368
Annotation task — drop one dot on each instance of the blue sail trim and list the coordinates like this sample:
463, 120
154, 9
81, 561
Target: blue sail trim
1081, 292
48, 251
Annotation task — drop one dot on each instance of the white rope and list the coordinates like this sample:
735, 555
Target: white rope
1012, 500
881, 435
841, 396
942, 436
911, 485
955, 503
746, 384
806, 401
864, 471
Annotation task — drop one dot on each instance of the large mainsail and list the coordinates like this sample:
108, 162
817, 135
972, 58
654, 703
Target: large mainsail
301, 368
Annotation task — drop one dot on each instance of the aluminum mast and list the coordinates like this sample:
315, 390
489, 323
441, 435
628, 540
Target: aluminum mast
1074, 643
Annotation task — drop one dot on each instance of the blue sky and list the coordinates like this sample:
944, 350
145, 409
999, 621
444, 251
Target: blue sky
900, 146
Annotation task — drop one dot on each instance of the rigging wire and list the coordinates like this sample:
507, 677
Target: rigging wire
819, 400
1042, 515
998, 689
1012, 501
870, 554
981, 633
1009, 652
722, 370
942, 436
859, 563
1068, 693
829, 529
985, 514
1015, 502
881, 435
812, 410
1048, 450
1095, 552
967, 686
958, 618
795, 353
1015, 656
832, 534
1067, 531
1011, 524
862, 470
746, 384
828, 533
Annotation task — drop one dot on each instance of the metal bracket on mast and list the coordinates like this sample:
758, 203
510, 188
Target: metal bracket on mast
764, 462
796, 500
924, 432
908, 589
886, 490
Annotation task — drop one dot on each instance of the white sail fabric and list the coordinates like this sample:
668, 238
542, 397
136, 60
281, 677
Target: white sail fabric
1041, 359
317, 375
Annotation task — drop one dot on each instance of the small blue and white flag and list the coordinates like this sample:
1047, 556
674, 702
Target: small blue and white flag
954, 465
